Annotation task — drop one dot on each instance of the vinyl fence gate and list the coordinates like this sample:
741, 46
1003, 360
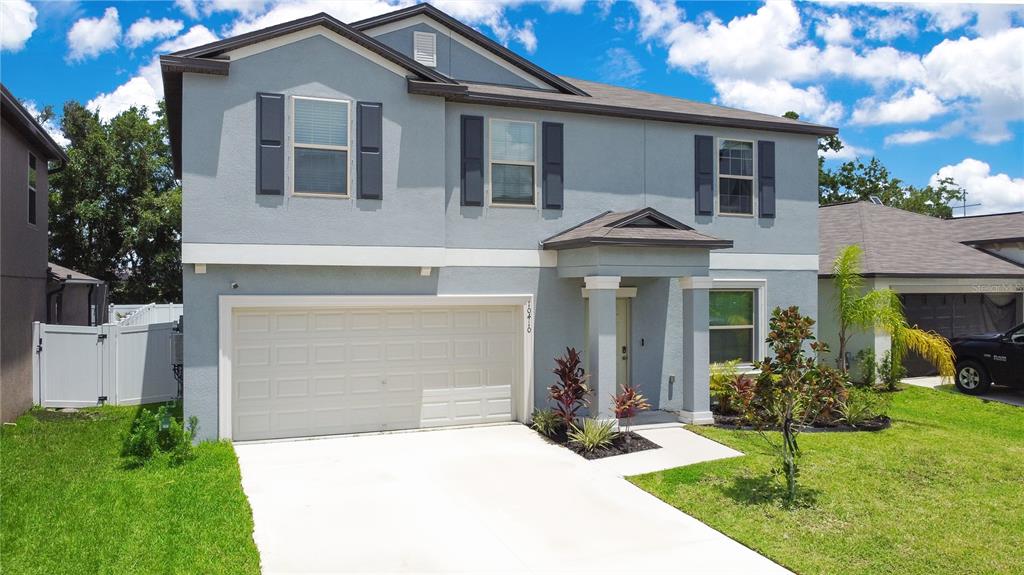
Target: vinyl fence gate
82, 366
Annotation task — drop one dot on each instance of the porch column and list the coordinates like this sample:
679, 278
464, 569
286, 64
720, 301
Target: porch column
696, 357
601, 340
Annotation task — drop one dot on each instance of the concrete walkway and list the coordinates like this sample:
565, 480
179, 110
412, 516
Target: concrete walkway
1006, 395
476, 500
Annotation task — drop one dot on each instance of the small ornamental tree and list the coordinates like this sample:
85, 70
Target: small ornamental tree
793, 389
571, 392
628, 403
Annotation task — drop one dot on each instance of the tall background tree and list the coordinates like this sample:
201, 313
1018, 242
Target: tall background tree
855, 180
115, 208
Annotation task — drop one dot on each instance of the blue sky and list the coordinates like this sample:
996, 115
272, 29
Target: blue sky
929, 89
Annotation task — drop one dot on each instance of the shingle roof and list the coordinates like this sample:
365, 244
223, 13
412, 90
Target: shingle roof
642, 227
70, 275
989, 228
902, 244
19, 117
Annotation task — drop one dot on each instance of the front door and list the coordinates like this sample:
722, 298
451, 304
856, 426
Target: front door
622, 341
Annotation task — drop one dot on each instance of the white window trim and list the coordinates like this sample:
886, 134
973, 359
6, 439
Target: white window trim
34, 195
491, 162
752, 178
350, 167
416, 36
522, 399
760, 289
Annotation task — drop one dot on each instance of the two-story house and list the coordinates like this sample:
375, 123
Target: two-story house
398, 223
26, 151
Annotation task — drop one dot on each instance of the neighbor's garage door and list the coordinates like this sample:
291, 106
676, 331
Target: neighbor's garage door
319, 371
953, 315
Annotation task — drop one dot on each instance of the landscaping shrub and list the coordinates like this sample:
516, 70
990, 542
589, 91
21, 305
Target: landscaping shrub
571, 392
891, 372
862, 405
545, 421
155, 432
722, 374
628, 403
594, 434
793, 389
867, 367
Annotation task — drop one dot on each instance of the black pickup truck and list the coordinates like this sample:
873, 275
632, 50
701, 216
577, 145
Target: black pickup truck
982, 360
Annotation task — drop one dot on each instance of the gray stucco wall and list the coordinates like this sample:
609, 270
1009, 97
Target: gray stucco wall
454, 59
22, 270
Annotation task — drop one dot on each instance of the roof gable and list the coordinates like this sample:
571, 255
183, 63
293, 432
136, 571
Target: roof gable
473, 39
645, 226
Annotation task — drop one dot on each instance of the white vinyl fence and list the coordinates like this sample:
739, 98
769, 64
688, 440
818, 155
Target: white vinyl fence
81, 366
135, 314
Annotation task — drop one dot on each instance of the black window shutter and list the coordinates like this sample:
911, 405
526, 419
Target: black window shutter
553, 172
704, 175
766, 179
369, 140
472, 181
270, 144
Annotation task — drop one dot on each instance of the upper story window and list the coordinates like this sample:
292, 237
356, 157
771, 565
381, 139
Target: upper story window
731, 326
33, 174
735, 177
424, 48
320, 146
513, 159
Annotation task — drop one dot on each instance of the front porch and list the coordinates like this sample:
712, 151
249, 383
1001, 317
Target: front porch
639, 269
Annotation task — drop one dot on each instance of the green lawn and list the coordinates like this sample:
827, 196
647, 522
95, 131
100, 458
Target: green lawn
67, 505
942, 491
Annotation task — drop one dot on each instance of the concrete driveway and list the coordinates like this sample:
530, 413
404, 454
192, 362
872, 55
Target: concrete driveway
474, 500
1008, 395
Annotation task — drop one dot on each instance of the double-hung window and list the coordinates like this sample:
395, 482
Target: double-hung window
732, 326
735, 177
320, 146
513, 157
32, 179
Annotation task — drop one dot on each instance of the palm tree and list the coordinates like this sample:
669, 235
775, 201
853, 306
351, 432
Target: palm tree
880, 309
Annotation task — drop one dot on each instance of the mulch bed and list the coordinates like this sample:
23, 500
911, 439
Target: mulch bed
877, 424
626, 442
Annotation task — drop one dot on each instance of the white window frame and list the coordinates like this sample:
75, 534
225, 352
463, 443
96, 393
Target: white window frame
416, 36
491, 162
752, 178
760, 312
33, 191
349, 160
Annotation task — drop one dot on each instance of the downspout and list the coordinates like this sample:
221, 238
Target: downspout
92, 287
49, 295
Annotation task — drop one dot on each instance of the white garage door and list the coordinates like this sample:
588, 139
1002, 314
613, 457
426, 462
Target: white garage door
320, 371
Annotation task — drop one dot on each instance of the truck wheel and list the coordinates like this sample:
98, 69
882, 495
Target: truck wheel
972, 379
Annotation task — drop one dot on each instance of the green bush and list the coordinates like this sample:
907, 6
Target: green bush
862, 405
593, 434
156, 432
545, 421
891, 372
722, 374
868, 368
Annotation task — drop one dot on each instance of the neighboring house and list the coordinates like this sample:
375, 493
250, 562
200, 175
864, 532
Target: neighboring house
74, 298
955, 277
25, 152
399, 223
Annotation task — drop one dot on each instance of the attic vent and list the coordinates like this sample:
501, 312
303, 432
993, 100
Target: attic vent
876, 200
424, 48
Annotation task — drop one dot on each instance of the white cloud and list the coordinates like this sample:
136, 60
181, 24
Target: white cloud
996, 192
90, 37
657, 17
621, 67
51, 126
144, 89
18, 19
918, 106
189, 7
835, 29
525, 36
910, 137
777, 97
848, 152
878, 66
286, 10
146, 29
196, 36
889, 27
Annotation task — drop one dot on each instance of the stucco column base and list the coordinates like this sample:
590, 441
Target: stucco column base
696, 417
